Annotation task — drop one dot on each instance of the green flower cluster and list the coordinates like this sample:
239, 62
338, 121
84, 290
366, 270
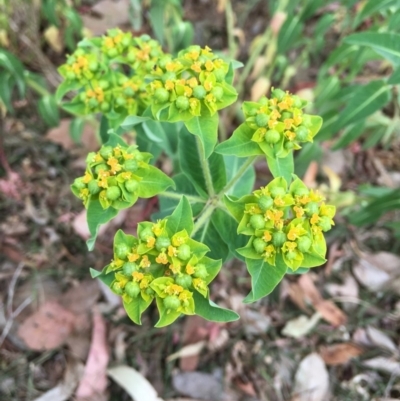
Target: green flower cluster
279, 124
94, 70
162, 264
116, 177
286, 221
192, 84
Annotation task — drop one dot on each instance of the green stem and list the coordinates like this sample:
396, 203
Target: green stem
190, 198
36, 87
205, 167
204, 217
230, 26
237, 176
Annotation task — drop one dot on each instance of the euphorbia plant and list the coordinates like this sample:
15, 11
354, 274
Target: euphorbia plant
208, 212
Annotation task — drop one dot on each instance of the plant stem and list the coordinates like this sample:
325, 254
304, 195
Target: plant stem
230, 26
36, 87
204, 216
237, 176
190, 198
205, 167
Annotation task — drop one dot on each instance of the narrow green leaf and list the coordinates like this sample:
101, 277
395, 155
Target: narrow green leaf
208, 310
351, 133
386, 44
14, 67
264, 277
6, 86
240, 143
66, 87
370, 8
395, 77
106, 278
206, 128
365, 100
181, 218
48, 110
76, 128
132, 121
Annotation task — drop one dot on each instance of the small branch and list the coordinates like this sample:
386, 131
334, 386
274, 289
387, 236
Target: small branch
230, 26
190, 198
204, 217
205, 167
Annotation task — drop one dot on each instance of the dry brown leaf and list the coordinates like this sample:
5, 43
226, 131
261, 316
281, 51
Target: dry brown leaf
81, 298
370, 275
338, 354
349, 288
53, 38
277, 21
247, 388
187, 351
380, 339
61, 136
311, 380
328, 310
260, 88
94, 380
48, 328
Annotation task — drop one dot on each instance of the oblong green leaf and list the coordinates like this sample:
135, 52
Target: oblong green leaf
208, 310
153, 182
181, 218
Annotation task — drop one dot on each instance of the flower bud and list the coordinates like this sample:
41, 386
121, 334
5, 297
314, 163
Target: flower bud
126, 41
182, 103
93, 66
132, 289
129, 92
112, 52
200, 271
301, 133
100, 167
278, 238
257, 221
132, 186
104, 107
146, 233
184, 280
297, 102
106, 152
304, 244
199, 92
262, 119
265, 202
278, 94
289, 145
121, 250
161, 95
121, 101
217, 92
172, 302
128, 268
93, 187
272, 136
162, 243
259, 245
131, 165
113, 193
184, 252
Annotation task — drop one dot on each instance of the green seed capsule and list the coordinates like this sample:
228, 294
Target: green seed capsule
129, 92
182, 103
112, 53
304, 244
105, 106
278, 238
106, 152
262, 119
126, 41
265, 202
121, 101
291, 255
100, 167
132, 289
117, 288
297, 102
131, 57
145, 37
172, 302
199, 92
217, 92
164, 61
286, 114
252, 112
259, 245
278, 94
277, 191
272, 136
131, 165
71, 75
131, 186
301, 192
184, 252
79, 183
93, 103
169, 75
113, 193
301, 133
312, 208
200, 271
104, 84
128, 268
289, 145
184, 280
121, 251
257, 221
325, 223
146, 233
161, 95
93, 187
162, 243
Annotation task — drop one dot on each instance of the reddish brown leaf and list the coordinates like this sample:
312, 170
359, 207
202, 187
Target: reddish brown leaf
338, 354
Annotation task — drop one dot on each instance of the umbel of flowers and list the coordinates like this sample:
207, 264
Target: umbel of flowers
162, 264
286, 221
117, 176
